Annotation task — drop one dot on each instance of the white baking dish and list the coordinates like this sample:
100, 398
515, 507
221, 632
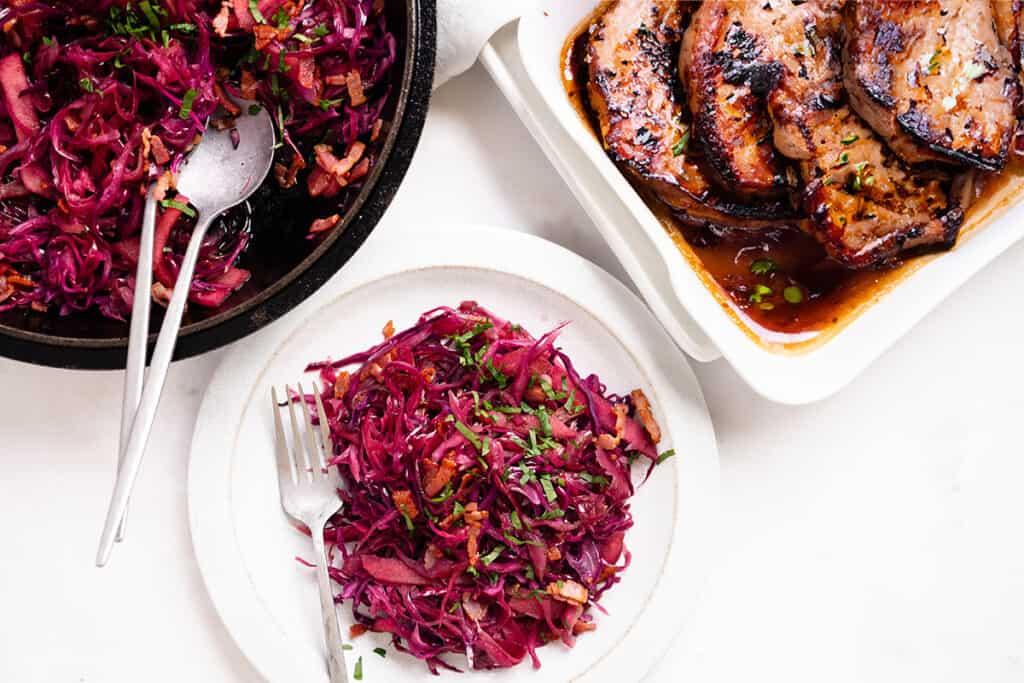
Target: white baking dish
785, 377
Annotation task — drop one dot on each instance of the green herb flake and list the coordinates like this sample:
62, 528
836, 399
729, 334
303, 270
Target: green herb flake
470, 435
254, 109
850, 139
180, 206
444, 495
47, 41
254, 10
595, 479
553, 513
763, 266
453, 608
357, 673
760, 291
458, 509
493, 555
549, 489
517, 523
147, 10
321, 30
86, 84
380, 651
545, 421
793, 294
346, 647
664, 456
186, 104
844, 158
682, 144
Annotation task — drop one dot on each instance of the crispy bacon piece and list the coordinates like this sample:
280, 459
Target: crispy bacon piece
389, 329
247, 87
355, 88
220, 22
471, 545
324, 224
569, 592
286, 175
339, 168
405, 504
341, 384
356, 630
643, 411
438, 476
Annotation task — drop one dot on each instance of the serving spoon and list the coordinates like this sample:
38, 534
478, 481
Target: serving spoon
223, 171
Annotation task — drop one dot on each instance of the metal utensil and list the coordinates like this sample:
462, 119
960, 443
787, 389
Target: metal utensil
223, 171
309, 494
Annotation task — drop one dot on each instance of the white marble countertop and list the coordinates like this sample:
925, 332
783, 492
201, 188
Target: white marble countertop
871, 537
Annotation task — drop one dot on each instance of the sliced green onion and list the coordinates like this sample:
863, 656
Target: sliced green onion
664, 456
180, 206
793, 294
254, 10
469, 434
493, 555
357, 673
186, 104
381, 651
549, 489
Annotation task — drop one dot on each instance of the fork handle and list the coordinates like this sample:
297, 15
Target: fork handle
332, 631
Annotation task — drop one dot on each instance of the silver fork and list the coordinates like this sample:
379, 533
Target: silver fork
309, 494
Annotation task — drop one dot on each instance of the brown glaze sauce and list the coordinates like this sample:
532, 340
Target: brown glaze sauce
812, 297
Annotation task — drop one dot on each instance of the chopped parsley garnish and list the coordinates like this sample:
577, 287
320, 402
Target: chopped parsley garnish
520, 541
553, 513
517, 523
470, 435
850, 139
596, 479
545, 421
180, 206
87, 85
444, 495
664, 456
47, 41
321, 30
327, 105
186, 104
682, 144
254, 10
844, 158
763, 266
346, 647
760, 291
493, 555
381, 651
549, 489
254, 109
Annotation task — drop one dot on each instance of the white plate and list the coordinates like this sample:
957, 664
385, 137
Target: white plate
642, 244
245, 548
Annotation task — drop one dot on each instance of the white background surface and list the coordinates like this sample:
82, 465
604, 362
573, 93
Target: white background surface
871, 537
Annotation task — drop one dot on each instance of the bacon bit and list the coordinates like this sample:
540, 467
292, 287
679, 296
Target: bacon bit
621, 412
361, 169
375, 131
62, 204
554, 554
335, 79
223, 123
3, 148
404, 503
286, 176
265, 34
6, 294
438, 476
428, 374
607, 442
220, 22
608, 572
161, 294
247, 88
39, 306
355, 88
338, 168
582, 627
324, 224
164, 183
307, 72
71, 122
160, 153
321, 184
341, 384
378, 6
568, 591
389, 329
356, 630
431, 555
473, 515
19, 280
147, 138
643, 410
471, 545
372, 370
229, 105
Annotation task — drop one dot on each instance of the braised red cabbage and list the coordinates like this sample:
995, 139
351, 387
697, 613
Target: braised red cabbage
487, 487
100, 99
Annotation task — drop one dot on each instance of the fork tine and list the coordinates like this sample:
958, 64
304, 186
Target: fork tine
313, 452
325, 430
285, 464
297, 445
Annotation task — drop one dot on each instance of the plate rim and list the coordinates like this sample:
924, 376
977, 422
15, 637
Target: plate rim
208, 474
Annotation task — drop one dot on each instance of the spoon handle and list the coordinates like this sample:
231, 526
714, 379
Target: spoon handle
142, 425
135, 367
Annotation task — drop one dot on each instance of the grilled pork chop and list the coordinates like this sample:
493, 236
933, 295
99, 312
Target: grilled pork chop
863, 204
933, 78
1009, 16
727, 80
631, 53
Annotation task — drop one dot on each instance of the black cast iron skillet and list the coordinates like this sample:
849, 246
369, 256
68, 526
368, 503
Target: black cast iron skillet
286, 267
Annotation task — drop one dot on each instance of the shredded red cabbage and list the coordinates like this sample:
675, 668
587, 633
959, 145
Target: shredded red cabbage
100, 99
487, 487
